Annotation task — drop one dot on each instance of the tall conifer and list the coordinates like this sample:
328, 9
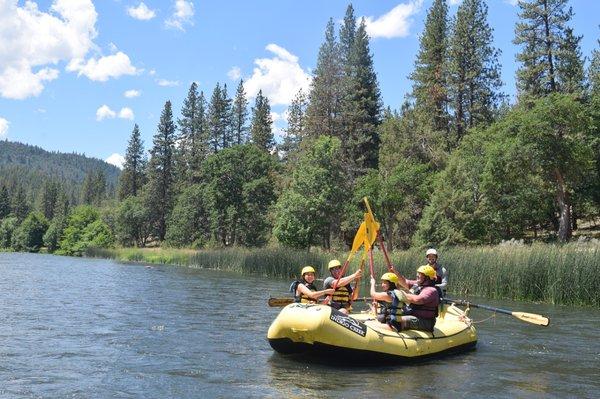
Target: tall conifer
160, 173
261, 128
132, 178
474, 69
240, 115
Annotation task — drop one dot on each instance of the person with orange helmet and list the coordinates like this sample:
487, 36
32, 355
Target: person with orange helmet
414, 309
305, 290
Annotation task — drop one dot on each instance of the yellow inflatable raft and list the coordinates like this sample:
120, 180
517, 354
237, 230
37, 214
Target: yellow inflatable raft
320, 330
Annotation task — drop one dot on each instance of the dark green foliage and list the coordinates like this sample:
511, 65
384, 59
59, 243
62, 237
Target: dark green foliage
19, 205
474, 70
132, 224
93, 191
361, 104
308, 209
132, 178
8, 226
54, 233
159, 190
261, 129
84, 229
189, 224
296, 128
240, 115
549, 49
29, 235
219, 119
431, 74
4, 202
323, 111
238, 191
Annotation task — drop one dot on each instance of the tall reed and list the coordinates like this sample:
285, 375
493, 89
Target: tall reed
568, 274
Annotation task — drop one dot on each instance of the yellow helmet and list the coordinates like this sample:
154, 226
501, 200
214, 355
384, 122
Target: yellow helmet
428, 271
334, 263
307, 269
391, 277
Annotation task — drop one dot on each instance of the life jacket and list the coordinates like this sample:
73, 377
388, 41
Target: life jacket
388, 312
341, 297
302, 298
423, 311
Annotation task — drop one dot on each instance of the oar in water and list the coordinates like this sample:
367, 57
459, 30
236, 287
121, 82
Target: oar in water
526, 317
281, 302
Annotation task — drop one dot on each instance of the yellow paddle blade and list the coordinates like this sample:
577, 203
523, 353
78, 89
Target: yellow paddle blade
372, 227
359, 238
532, 318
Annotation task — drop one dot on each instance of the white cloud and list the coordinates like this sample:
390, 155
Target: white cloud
234, 73
184, 11
167, 83
132, 93
141, 12
512, 2
33, 42
455, 2
126, 113
3, 128
275, 116
395, 23
279, 77
111, 66
31, 39
104, 112
116, 159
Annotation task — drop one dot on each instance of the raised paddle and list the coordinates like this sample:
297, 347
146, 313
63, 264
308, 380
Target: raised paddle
281, 302
526, 317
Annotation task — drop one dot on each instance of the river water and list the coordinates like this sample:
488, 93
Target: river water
86, 328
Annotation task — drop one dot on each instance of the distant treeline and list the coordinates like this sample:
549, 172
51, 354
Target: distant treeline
455, 165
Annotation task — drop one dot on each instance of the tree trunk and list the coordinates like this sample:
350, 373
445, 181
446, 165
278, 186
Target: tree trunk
564, 206
548, 41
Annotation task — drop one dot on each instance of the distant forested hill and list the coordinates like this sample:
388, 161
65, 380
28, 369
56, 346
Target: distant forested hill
31, 167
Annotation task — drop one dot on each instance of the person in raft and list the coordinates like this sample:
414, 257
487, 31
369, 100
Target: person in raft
441, 273
341, 299
305, 290
416, 309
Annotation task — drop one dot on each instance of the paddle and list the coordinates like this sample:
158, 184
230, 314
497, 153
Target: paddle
281, 302
526, 317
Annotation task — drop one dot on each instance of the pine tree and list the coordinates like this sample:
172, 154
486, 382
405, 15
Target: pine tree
48, 198
570, 70
19, 204
474, 70
361, 105
261, 127
219, 119
240, 115
542, 31
132, 178
4, 202
594, 73
160, 173
430, 75
323, 110
296, 126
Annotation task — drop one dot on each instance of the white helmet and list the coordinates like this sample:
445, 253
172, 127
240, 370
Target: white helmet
431, 251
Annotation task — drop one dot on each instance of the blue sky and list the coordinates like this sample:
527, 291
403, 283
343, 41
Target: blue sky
75, 75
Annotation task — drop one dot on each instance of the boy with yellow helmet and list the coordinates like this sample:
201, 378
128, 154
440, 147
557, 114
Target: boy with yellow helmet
416, 309
341, 299
305, 290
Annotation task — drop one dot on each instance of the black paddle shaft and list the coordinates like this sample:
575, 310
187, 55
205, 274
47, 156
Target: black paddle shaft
474, 305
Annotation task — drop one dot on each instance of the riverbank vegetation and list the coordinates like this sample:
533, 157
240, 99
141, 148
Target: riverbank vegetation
456, 165
557, 274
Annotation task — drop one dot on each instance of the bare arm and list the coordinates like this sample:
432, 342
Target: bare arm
312, 294
401, 279
348, 279
379, 296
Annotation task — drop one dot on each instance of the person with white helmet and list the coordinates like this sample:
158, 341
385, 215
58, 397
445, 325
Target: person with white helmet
441, 273
421, 302
341, 299
305, 290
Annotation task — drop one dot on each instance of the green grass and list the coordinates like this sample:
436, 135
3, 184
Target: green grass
567, 274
